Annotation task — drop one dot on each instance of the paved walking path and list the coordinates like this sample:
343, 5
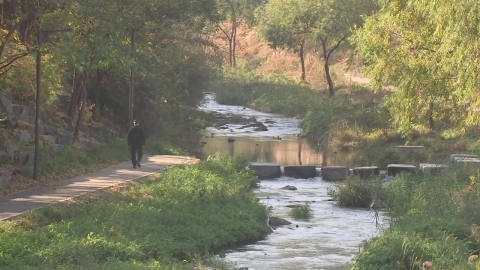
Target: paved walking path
38, 197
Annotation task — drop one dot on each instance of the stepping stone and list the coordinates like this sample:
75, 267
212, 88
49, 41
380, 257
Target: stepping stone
335, 173
410, 149
266, 170
366, 172
432, 168
468, 162
301, 171
453, 156
394, 169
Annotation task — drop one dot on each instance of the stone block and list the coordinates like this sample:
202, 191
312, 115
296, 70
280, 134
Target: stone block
394, 169
432, 168
266, 170
366, 172
335, 173
301, 171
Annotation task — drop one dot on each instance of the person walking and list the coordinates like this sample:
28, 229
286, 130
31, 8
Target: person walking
136, 139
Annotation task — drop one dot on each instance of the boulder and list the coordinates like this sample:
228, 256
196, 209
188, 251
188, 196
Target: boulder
64, 137
289, 188
5, 178
301, 171
5, 104
266, 170
24, 137
48, 139
276, 221
335, 173
20, 111
9, 148
394, 169
56, 147
24, 155
366, 172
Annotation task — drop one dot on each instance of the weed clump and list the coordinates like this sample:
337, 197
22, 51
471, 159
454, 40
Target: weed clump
303, 211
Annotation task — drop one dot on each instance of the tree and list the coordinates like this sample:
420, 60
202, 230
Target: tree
287, 24
429, 51
233, 14
334, 20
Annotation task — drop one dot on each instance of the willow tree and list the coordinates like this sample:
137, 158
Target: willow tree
429, 51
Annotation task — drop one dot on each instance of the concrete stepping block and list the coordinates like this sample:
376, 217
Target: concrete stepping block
366, 172
335, 173
410, 149
469, 162
266, 170
301, 171
453, 156
432, 168
394, 169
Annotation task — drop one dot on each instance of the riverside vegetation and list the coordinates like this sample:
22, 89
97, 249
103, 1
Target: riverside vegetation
170, 221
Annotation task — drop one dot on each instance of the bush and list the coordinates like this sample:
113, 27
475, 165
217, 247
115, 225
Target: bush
301, 212
356, 192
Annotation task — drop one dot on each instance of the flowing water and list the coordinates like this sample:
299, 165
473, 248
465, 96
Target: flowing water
332, 237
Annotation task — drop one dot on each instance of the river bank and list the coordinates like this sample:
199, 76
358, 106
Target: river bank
170, 221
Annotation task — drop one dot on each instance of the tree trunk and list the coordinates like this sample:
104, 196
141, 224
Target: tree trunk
83, 95
73, 100
326, 57
234, 38
302, 60
430, 116
329, 78
96, 108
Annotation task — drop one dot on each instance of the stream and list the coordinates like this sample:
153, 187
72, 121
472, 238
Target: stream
332, 237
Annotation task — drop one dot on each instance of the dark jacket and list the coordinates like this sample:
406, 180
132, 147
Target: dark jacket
136, 137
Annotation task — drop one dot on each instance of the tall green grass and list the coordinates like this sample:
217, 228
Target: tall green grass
165, 223
432, 216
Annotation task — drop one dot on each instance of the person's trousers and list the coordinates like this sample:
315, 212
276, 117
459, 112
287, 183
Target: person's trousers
136, 154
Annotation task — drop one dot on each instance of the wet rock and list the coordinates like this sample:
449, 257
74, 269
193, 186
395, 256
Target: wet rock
276, 221
230, 139
335, 173
5, 178
301, 171
24, 137
266, 170
289, 188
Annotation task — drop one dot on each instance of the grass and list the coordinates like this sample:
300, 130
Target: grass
168, 222
356, 192
432, 220
303, 211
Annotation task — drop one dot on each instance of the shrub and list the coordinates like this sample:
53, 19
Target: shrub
301, 212
356, 192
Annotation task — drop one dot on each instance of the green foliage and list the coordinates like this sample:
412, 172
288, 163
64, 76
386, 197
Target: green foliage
432, 217
303, 211
356, 192
188, 210
428, 53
